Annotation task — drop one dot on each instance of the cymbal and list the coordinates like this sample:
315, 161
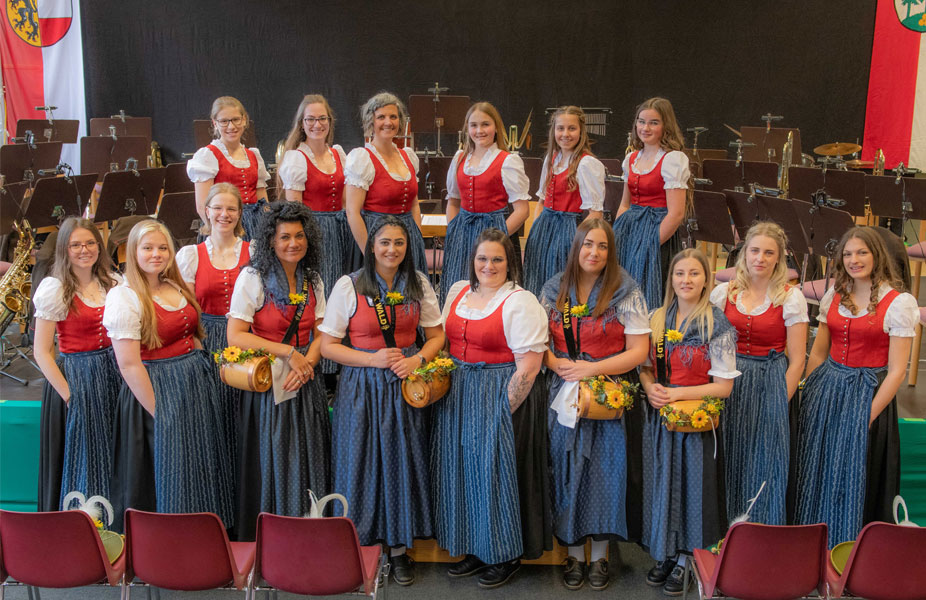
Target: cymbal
837, 149
860, 164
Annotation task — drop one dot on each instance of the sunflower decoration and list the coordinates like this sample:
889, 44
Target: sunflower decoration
234, 354
231, 354
579, 310
674, 335
440, 366
621, 396
699, 419
702, 416
393, 298
296, 298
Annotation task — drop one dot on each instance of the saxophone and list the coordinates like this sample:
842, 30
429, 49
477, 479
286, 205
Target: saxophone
16, 285
783, 179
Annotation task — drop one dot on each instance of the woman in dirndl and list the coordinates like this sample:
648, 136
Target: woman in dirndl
848, 457
483, 180
226, 160
573, 184
382, 179
770, 317
489, 452
171, 449
380, 442
81, 388
656, 183
684, 500
284, 434
607, 334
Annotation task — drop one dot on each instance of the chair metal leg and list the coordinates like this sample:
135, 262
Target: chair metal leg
685, 578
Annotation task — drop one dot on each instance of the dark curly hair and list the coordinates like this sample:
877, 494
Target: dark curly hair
264, 258
500, 237
366, 280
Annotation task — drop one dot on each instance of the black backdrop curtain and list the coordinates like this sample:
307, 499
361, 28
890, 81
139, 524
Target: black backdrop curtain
720, 61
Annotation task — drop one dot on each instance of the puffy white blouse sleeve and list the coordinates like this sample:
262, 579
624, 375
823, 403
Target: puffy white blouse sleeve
625, 165
453, 190
203, 166
541, 193
412, 158
515, 179
358, 169
525, 323
794, 308
122, 314
634, 319
825, 304
262, 174
48, 301
340, 150
590, 175
430, 310
320, 304
675, 171
455, 290
342, 303
248, 295
188, 262
292, 171
719, 295
902, 316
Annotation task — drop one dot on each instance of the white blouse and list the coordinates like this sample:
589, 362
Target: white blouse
675, 171
513, 177
49, 302
359, 170
899, 321
589, 175
122, 315
343, 303
188, 258
292, 168
205, 166
248, 296
793, 309
523, 319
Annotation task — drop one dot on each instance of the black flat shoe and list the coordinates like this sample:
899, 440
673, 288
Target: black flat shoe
573, 573
466, 567
598, 578
659, 573
499, 574
403, 569
675, 582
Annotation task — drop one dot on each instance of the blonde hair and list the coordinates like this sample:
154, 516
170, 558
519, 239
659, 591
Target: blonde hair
584, 146
138, 282
225, 102
224, 188
777, 285
501, 136
703, 313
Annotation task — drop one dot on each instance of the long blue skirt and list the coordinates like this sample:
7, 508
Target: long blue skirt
639, 251
684, 503
548, 247
832, 448
338, 249
415, 242
52, 424
94, 380
473, 466
589, 465
380, 457
216, 340
250, 217
756, 438
458, 244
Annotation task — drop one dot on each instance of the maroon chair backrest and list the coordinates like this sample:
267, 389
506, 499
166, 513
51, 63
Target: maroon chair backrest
317, 557
51, 549
888, 562
771, 562
177, 551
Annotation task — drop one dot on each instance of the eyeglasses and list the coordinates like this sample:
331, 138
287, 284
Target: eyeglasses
232, 210
78, 246
312, 120
226, 122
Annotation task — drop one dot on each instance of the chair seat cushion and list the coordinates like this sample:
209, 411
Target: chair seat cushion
705, 564
917, 251
244, 554
814, 290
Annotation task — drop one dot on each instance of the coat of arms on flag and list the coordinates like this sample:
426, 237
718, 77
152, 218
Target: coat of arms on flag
39, 23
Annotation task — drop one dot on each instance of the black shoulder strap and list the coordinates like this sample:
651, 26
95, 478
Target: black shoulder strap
569, 333
387, 328
663, 372
300, 308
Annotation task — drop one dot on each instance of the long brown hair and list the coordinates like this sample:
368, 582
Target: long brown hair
501, 136
138, 282
672, 138
61, 270
703, 314
882, 270
777, 290
297, 132
583, 147
610, 277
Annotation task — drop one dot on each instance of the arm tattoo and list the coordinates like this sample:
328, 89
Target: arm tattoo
518, 388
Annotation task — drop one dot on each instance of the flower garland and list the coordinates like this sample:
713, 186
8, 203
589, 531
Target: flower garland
700, 418
234, 354
441, 366
622, 397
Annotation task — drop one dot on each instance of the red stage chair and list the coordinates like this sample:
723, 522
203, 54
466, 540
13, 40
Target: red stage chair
886, 563
317, 557
54, 550
763, 562
188, 552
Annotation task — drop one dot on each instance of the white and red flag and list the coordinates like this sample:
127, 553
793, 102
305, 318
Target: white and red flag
42, 58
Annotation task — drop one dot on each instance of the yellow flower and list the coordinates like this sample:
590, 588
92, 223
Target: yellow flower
673, 335
412, 377
713, 408
231, 353
444, 362
699, 419
579, 310
672, 417
393, 298
98, 523
615, 399
296, 298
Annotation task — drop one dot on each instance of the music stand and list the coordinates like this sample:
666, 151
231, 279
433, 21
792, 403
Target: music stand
843, 185
613, 190
711, 220
16, 159
178, 213
55, 198
774, 139
59, 130
127, 193
202, 133
100, 154
12, 205
176, 179
726, 175
706, 154
886, 196
130, 126
437, 114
